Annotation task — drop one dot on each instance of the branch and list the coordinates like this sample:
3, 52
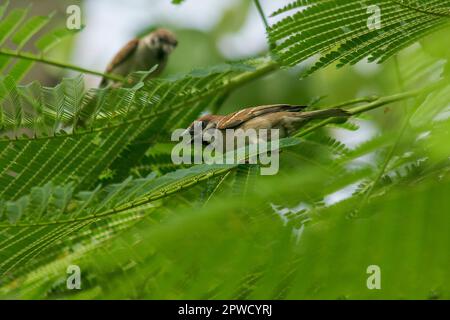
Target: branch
264, 19
32, 57
261, 13
408, 113
379, 102
152, 197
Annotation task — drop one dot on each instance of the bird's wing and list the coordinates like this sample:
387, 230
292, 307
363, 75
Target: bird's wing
123, 54
237, 118
120, 57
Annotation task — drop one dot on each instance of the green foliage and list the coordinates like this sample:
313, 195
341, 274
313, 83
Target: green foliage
86, 176
48, 213
20, 29
339, 31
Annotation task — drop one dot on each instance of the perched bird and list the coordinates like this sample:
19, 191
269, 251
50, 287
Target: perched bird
137, 55
286, 118
142, 54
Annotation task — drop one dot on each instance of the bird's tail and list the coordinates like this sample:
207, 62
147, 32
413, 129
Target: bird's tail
324, 114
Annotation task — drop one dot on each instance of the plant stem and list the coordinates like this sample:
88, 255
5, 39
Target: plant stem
400, 81
393, 149
252, 75
129, 206
261, 13
355, 101
374, 105
264, 19
32, 57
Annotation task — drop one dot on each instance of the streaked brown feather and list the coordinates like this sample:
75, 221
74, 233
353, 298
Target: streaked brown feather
237, 118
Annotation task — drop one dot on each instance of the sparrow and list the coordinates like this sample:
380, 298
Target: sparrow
287, 118
137, 55
142, 54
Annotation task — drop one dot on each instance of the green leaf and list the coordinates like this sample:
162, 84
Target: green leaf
19, 70
9, 24
258, 255
49, 40
431, 107
51, 213
30, 28
21, 31
338, 31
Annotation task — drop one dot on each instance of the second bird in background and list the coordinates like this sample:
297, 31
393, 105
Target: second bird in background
142, 54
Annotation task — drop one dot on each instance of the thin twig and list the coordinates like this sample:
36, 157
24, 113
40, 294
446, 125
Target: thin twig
382, 101
261, 13
32, 57
394, 148
355, 101
264, 19
128, 206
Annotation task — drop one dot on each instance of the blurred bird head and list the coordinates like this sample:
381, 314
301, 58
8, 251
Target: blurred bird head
161, 41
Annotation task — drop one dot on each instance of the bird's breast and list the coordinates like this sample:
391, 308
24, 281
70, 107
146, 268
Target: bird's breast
147, 57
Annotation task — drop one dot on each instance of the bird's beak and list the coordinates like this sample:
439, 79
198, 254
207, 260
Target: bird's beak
191, 133
196, 132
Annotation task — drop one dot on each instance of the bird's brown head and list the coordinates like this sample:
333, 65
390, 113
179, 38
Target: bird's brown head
208, 121
162, 41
